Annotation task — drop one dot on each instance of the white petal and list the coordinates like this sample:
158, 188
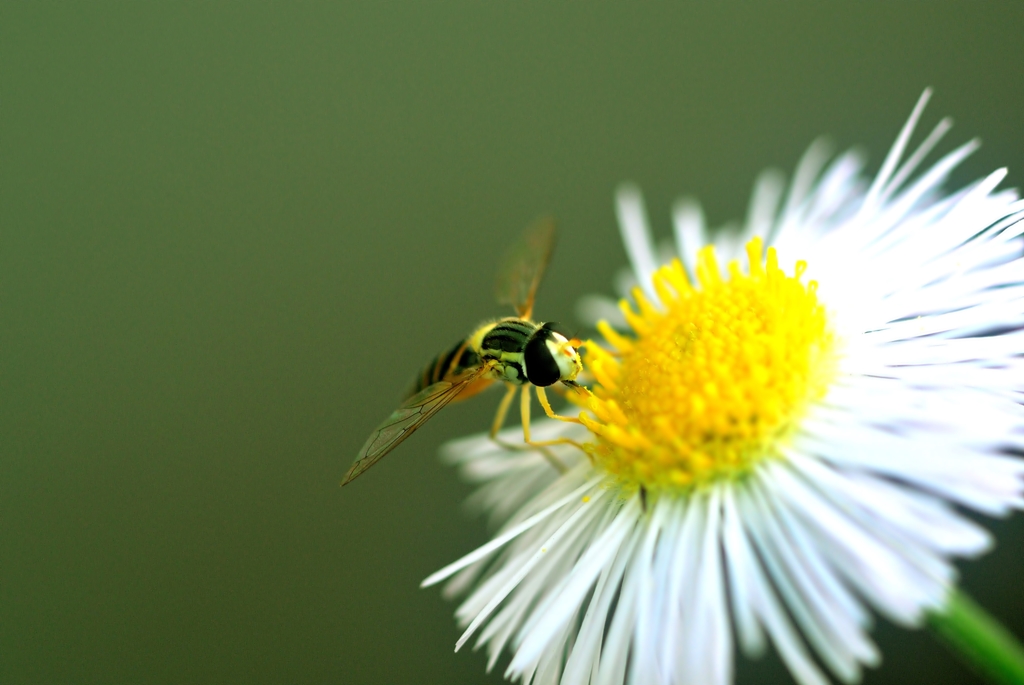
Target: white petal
765, 602
564, 600
691, 232
741, 565
764, 205
818, 621
636, 235
895, 153
500, 541
910, 166
549, 545
586, 652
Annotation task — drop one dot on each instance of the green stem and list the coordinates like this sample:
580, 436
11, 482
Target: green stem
980, 640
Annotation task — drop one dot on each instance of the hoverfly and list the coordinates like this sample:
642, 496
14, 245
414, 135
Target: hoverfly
515, 350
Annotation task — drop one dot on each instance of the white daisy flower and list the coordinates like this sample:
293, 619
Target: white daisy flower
778, 449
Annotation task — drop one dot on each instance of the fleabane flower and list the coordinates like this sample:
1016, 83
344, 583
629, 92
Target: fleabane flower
783, 426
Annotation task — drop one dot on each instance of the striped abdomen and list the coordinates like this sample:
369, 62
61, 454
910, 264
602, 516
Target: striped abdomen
441, 366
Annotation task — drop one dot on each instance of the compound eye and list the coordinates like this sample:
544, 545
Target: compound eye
541, 368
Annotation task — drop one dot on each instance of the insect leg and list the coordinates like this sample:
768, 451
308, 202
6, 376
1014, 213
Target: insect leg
547, 408
499, 418
524, 408
542, 396
524, 412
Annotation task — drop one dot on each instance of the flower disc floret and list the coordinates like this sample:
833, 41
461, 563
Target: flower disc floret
715, 379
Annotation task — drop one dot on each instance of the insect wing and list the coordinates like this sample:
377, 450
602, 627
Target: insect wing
413, 413
523, 266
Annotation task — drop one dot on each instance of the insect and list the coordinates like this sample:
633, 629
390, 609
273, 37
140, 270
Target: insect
515, 350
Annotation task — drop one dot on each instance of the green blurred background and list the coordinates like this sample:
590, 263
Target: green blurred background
230, 234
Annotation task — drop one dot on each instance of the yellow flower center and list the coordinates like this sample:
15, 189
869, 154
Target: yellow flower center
714, 380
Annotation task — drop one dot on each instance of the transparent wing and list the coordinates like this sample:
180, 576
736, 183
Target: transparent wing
413, 413
522, 267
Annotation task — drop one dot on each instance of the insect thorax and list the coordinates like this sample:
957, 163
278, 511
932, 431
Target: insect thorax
503, 344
